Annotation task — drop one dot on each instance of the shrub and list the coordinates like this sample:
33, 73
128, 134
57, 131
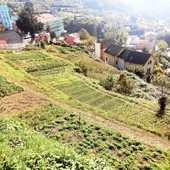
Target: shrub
107, 83
42, 45
125, 85
158, 69
162, 102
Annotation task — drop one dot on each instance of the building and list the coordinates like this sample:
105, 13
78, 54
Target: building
55, 23
73, 38
5, 17
145, 45
10, 37
123, 59
100, 47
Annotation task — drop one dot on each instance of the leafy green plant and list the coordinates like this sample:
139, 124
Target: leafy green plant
89, 139
7, 88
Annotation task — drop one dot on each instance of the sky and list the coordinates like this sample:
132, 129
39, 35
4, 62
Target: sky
148, 3
155, 8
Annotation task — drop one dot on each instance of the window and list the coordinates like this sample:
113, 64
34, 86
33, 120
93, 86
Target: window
148, 71
150, 62
116, 62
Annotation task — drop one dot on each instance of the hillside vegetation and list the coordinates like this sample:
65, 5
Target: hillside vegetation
21, 148
71, 77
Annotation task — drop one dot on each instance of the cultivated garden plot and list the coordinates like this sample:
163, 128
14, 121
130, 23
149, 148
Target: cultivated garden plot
122, 110
114, 106
87, 139
59, 79
23, 148
7, 88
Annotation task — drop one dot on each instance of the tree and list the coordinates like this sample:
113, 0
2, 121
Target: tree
163, 82
162, 45
52, 33
165, 36
125, 85
42, 45
84, 35
27, 21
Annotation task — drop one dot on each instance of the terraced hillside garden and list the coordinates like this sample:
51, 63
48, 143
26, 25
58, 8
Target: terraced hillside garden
78, 124
59, 73
118, 150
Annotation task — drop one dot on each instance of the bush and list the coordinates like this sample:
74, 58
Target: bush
125, 85
82, 68
158, 69
42, 45
107, 83
162, 102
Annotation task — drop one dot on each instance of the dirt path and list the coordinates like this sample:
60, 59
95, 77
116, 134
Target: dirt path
30, 98
130, 131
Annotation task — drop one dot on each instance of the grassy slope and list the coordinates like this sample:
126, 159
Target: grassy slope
118, 150
81, 92
21, 148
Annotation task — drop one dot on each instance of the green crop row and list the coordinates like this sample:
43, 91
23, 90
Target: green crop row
119, 109
49, 71
46, 66
7, 88
28, 55
117, 149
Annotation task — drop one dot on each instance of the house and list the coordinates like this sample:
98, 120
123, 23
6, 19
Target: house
10, 37
73, 38
100, 47
123, 59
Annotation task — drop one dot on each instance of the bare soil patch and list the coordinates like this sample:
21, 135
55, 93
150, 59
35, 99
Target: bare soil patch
21, 101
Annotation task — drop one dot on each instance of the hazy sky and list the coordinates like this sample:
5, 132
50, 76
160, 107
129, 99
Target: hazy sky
148, 3
157, 8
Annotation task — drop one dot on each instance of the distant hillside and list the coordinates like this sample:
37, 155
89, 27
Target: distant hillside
119, 5
147, 9
154, 9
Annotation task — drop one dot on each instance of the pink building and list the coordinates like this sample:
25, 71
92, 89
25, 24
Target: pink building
148, 43
145, 44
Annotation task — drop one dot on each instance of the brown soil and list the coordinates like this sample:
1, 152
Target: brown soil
20, 101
